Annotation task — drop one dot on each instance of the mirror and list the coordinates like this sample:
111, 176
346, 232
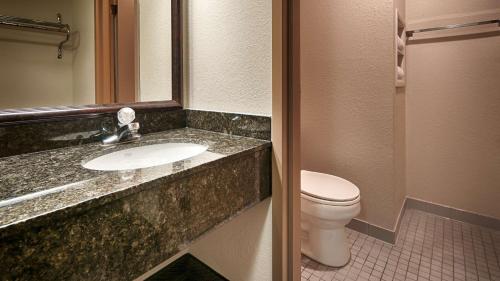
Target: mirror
88, 52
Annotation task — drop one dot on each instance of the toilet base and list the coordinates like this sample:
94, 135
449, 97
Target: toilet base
326, 246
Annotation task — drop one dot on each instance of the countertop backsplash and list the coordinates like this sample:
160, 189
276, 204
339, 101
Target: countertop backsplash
21, 138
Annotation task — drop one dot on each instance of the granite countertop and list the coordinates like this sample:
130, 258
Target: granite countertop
42, 186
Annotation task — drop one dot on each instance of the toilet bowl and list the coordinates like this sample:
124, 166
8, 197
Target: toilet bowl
328, 204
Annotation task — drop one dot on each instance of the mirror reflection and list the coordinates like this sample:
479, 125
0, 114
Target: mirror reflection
84, 52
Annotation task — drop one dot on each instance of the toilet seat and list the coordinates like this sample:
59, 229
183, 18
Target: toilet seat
328, 189
329, 202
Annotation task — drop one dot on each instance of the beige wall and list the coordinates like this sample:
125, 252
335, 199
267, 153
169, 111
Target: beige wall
31, 75
229, 69
400, 160
424, 10
83, 52
349, 101
437, 139
229, 55
155, 50
453, 110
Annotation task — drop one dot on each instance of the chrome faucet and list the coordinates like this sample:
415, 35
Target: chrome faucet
127, 130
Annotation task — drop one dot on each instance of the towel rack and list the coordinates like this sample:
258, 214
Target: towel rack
56, 27
410, 33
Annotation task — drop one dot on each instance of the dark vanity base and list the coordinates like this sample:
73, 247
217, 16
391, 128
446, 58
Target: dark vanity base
127, 237
187, 268
108, 228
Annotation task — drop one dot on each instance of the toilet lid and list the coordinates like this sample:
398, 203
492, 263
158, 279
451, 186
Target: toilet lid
328, 187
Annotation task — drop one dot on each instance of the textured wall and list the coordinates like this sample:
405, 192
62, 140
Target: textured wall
155, 46
229, 56
229, 69
423, 10
348, 100
454, 110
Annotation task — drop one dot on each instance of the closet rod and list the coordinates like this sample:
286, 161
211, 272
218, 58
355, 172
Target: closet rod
22, 23
451, 26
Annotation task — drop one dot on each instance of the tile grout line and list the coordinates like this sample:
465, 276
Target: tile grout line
412, 247
353, 243
442, 251
403, 241
453, 251
423, 243
494, 249
463, 250
410, 214
474, 251
431, 247
357, 254
485, 253
375, 258
367, 255
406, 242
364, 241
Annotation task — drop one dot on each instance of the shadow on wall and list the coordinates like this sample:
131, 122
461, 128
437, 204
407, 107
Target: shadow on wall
239, 249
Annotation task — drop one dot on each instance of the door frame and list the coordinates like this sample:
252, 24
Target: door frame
104, 69
127, 68
286, 140
116, 71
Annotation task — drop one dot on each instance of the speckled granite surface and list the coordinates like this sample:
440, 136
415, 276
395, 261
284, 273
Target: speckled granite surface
32, 137
118, 225
48, 170
22, 138
252, 126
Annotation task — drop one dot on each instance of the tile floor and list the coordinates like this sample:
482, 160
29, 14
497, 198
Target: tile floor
429, 247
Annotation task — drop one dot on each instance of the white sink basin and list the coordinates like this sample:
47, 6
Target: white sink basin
145, 156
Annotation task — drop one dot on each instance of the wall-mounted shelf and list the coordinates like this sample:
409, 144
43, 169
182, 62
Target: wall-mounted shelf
399, 50
36, 25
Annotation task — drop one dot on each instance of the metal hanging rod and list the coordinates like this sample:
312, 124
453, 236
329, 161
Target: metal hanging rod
22, 23
451, 26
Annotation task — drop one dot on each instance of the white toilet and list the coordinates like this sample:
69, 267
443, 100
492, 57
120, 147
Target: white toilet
328, 203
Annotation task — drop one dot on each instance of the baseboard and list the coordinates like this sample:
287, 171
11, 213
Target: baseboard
378, 232
404, 207
390, 236
453, 213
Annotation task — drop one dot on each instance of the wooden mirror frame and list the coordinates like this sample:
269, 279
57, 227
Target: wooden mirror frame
40, 114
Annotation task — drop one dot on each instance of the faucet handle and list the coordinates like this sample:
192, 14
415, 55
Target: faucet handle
133, 131
126, 116
133, 127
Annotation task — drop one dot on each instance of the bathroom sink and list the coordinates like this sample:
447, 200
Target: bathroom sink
145, 156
